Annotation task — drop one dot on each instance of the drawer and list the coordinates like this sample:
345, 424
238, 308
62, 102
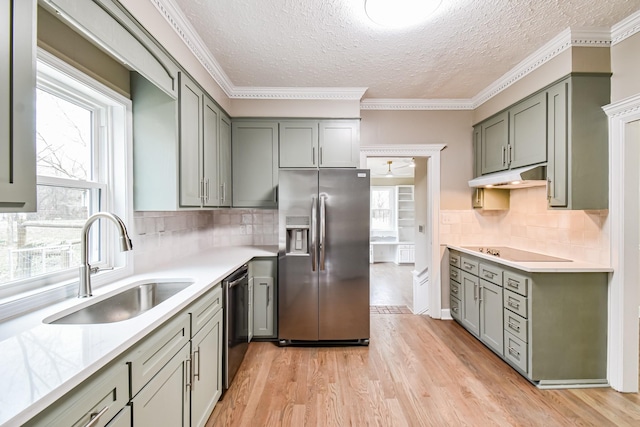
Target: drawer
516, 282
148, 357
469, 265
455, 289
454, 259
516, 303
454, 274
205, 308
456, 308
491, 273
516, 351
105, 393
516, 325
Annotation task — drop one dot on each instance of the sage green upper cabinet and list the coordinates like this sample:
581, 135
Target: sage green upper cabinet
224, 152
528, 132
577, 167
477, 151
323, 143
191, 151
210, 153
339, 142
495, 139
17, 107
299, 144
254, 155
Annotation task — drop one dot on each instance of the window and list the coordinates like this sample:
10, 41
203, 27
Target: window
383, 208
81, 130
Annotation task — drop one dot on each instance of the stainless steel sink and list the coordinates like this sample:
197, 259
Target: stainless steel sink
126, 304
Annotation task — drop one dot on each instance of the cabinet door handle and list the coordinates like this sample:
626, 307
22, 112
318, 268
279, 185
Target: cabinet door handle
548, 188
480, 293
189, 366
510, 153
206, 190
504, 155
94, 417
320, 156
313, 162
196, 372
475, 291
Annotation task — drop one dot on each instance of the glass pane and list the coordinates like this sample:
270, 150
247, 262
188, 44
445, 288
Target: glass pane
63, 138
47, 241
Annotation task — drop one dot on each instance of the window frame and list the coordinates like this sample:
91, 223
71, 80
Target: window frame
112, 160
393, 208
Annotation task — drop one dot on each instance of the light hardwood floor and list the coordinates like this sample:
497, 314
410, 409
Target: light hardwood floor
417, 371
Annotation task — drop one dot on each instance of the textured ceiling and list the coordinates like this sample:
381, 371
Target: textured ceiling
459, 51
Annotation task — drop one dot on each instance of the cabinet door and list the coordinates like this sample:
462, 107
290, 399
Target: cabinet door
495, 134
254, 147
17, 106
250, 310
191, 103
528, 132
123, 419
470, 302
210, 159
164, 401
207, 370
263, 306
557, 116
491, 323
339, 144
477, 151
224, 163
298, 144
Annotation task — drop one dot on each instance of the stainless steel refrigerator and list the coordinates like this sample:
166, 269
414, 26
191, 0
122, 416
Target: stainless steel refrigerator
323, 256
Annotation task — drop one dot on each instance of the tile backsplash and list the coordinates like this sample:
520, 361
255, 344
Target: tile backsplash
529, 225
161, 237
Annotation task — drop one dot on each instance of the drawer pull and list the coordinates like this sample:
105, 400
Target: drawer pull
454, 273
454, 261
94, 417
489, 274
513, 304
455, 309
514, 353
513, 283
467, 265
454, 290
514, 326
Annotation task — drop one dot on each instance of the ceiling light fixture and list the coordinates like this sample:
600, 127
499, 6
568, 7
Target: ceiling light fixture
389, 173
400, 13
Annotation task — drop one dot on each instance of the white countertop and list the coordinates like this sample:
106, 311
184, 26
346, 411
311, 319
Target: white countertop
539, 267
39, 365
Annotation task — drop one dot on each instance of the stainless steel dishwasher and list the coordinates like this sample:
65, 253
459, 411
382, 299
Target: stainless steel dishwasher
236, 325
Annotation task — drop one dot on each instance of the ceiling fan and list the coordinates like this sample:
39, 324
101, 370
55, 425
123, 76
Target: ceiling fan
393, 171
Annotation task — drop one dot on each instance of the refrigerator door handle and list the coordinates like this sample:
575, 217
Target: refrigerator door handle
314, 220
322, 230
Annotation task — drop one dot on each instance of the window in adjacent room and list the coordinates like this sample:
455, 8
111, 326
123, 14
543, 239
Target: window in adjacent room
383, 208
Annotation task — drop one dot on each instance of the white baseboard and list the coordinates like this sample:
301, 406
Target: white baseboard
445, 314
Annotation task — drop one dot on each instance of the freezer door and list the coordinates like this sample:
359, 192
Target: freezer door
344, 254
297, 282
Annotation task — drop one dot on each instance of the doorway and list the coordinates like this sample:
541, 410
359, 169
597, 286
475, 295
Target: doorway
426, 289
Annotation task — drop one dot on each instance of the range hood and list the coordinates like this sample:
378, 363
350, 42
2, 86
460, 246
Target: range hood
530, 176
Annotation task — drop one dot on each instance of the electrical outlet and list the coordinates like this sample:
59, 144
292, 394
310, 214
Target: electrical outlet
420, 228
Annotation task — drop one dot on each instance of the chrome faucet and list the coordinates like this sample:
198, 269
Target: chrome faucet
84, 285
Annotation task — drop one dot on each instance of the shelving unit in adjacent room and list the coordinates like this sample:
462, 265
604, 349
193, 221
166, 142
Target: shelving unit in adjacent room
405, 252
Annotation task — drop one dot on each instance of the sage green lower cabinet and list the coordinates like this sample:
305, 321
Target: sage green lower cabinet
254, 146
491, 327
99, 398
263, 274
551, 327
206, 387
164, 401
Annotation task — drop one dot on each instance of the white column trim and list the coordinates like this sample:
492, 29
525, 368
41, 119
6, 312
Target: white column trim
432, 152
624, 212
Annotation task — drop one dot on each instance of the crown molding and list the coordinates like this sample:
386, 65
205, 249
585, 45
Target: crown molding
183, 28
594, 37
309, 93
623, 107
625, 28
416, 104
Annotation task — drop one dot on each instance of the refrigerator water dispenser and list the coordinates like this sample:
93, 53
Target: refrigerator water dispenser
297, 235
